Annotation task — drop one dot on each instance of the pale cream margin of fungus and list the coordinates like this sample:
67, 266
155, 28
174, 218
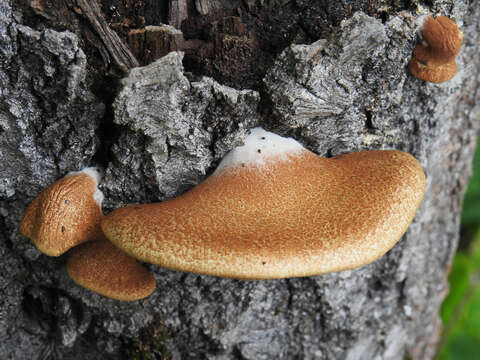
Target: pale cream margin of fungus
273, 209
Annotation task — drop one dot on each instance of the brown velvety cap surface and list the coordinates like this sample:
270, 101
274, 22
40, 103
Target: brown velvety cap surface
63, 215
435, 74
306, 216
444, 39
435, 60
101, 267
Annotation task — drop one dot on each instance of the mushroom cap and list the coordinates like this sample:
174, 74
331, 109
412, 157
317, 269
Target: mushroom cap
99, 266
444, 39
435, 74
435, 60
65, 214
273, 209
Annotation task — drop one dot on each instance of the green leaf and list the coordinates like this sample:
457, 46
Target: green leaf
471, 317
462, 347
459, 280
471, 208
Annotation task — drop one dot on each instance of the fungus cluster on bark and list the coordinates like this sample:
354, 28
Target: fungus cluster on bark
272, 209
66, 216
434, 59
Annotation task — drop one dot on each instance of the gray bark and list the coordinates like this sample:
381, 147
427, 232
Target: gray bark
348, 92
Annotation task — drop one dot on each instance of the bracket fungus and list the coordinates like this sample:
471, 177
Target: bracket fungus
434, 59
101, 267
273, 209
65, 214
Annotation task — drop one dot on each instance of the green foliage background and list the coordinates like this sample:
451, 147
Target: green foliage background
461, 309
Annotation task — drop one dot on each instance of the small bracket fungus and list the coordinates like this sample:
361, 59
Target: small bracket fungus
65, 214
434, 60
101, 267
279, 212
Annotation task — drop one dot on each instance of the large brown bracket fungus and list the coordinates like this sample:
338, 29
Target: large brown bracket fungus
434, 60
67, 214
273, 209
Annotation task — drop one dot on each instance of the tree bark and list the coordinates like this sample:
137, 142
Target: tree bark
333, 75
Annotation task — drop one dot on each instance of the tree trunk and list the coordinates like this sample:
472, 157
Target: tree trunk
332, 75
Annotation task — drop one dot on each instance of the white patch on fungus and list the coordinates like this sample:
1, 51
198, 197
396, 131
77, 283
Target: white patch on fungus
259, 148
96, 174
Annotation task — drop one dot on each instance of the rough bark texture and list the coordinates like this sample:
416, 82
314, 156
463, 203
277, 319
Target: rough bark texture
334, 77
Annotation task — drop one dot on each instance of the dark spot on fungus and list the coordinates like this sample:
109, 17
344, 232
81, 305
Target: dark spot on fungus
264, 262
263, 137
259, 151
67, 201
63, 229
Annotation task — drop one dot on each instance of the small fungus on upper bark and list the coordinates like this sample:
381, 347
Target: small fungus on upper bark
65, 214
434, 59
279, 212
